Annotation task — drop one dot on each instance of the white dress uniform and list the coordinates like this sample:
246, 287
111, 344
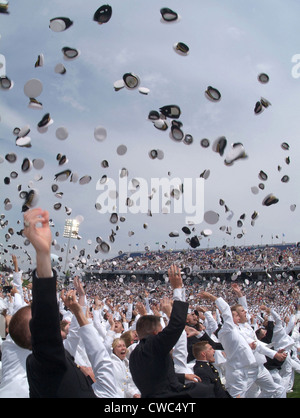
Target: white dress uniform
259, 375
14, 382
282, 340
124, 384
239, 356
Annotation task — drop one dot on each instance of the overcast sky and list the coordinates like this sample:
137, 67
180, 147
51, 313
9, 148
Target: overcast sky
230, 43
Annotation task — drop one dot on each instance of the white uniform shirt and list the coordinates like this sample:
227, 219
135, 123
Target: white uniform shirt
280, 338
261, 350
124, 383
237, 350
14, 382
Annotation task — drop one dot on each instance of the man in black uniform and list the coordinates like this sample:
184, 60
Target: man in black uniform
151, 364
204, 368
51, 370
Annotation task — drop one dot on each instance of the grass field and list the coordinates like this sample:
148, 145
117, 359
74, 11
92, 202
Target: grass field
296, 388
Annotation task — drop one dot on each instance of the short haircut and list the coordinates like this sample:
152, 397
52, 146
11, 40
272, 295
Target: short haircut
258, 333
197, 348
19, 327
146, 325
127, 337
63, 323
235, 308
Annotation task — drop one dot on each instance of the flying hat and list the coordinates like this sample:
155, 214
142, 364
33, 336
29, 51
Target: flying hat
219, 145
60, 69
119, 85
144, 90
7, 204
285, 146
171, 111
161, 124
254, 190
212, 94
103, 14
237, 152
194, 242
26, 165
63, 175
265, 102
285, 179
181, 49
104, 164
13, 175
153, 154
262, 175
205, 174
211, 217
121, 150
59, 24
239, 223
160, 154
31, 199
45, 121
61, 133
168, 15
270, 199
204, 143
154, 115
261, 105
33, 88
4, 7
62, 159
263, 78
258, 108
114, 218
131, 81
70, 53
206, 232
85, 179
123, 172
35, 104
24, 141
21, 132
54, 260
5, 83
17, 130
188, 139
176, 133
174, 234
100, 133
40, 61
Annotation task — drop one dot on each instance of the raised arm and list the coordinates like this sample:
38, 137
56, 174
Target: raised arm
37, 230
104, 385
46, 338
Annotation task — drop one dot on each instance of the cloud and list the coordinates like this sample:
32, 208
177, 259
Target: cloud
73, 102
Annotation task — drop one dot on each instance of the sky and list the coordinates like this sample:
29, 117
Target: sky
230, 43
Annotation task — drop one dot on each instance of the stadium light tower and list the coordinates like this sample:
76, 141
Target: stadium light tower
70, 231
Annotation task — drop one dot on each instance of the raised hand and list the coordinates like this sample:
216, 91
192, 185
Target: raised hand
38, 232
40, 237
175, 278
